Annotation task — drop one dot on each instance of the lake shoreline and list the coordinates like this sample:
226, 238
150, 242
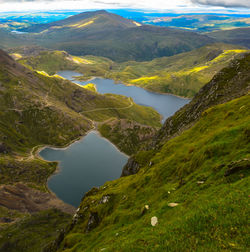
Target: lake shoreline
117, 81
58, 168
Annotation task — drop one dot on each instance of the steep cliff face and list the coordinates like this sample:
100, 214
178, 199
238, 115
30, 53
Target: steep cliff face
189, 192
230, 83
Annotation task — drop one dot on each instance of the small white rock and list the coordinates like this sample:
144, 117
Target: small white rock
173, 204
154, 221
200, 182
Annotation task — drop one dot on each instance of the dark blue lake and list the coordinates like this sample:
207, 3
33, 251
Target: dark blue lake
164, 104
94, 160
90, 162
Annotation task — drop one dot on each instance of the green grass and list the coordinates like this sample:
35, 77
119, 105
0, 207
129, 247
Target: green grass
34, 232
237, 36
183, 74
211, 216
109, 35
127, 135
38, 110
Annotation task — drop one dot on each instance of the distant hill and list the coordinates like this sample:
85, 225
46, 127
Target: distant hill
239, 36
9, 39
182, 74
78, 21
109, 35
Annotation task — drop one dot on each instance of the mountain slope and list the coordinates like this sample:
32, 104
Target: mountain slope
230, 83
9, 39
38, 110
140, 43
183, 74
239, 36
77, 21
104, 34
190, 194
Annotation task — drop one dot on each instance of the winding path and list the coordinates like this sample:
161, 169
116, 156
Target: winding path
99, 109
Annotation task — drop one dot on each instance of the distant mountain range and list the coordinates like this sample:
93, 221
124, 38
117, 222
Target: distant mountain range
105, 34
101, 33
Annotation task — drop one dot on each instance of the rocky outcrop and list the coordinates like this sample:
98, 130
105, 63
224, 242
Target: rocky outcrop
4, 149
237, 166
129, 136
132, 167
93, 221
230, 83
25, 199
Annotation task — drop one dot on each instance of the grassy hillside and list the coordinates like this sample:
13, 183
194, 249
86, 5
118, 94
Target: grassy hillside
126, 134
101, 33
9, 39
34, 232
239, 36
41, 59
183, 74
37, 110
195, 185
230, 83
84, 19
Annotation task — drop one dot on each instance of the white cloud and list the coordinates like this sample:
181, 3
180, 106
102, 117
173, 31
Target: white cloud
22, 5
224, 3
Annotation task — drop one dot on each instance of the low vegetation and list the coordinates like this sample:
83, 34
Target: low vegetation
39, 109
105, 34
196, 186
183, 74
33, 233
187, 193
127, 135
237, 36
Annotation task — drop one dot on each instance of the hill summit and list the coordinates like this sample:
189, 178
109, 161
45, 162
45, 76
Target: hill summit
96, 19
101, 33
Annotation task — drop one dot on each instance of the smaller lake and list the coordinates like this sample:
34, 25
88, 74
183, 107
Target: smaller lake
90, 162
164, 104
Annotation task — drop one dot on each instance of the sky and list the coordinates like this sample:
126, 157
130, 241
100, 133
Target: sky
239, 6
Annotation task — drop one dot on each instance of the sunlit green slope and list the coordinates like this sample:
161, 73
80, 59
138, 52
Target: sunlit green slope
183, 74
41, 110
195, 184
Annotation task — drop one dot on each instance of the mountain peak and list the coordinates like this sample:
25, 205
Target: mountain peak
106, 18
